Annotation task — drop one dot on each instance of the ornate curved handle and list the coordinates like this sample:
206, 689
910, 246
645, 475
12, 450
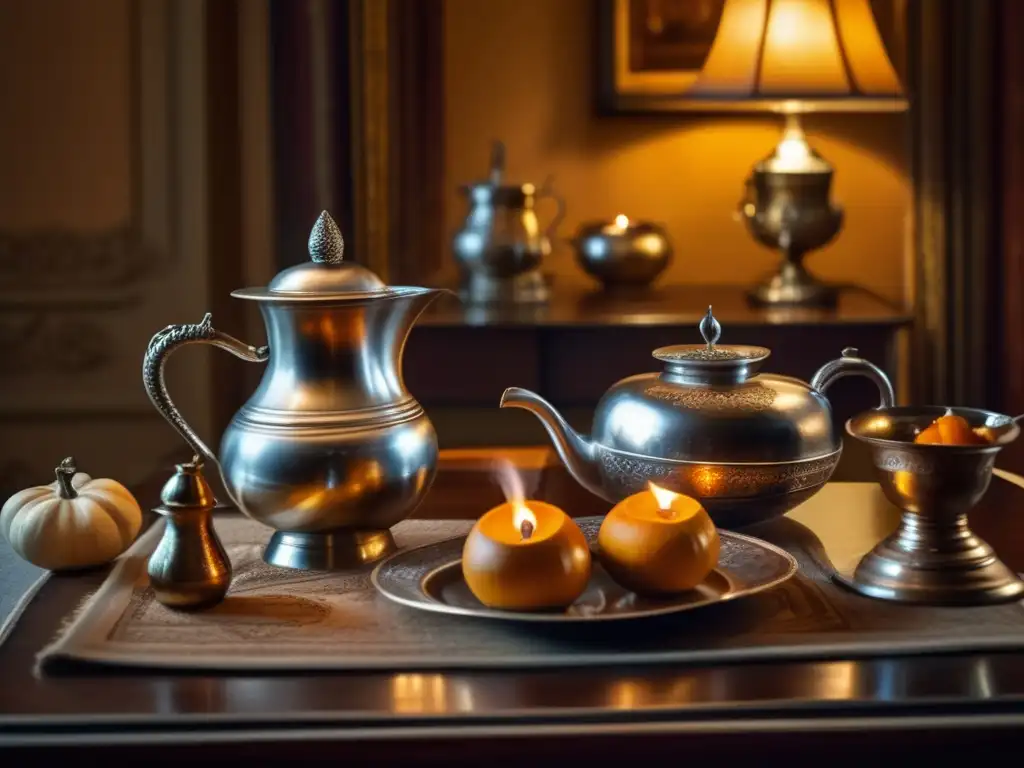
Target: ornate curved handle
852, 365
169, 339
548, 191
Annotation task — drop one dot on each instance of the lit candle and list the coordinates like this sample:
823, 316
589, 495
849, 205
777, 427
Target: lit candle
526, 555
621, 223
658, 542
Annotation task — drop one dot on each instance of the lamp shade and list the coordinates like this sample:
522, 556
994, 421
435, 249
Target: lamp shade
818, 54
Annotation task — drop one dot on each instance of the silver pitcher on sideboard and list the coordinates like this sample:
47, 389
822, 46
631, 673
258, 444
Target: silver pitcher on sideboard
501, 246
331, 450
749, 446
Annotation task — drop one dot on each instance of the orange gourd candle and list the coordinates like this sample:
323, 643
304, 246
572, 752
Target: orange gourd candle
526, 556
658, 542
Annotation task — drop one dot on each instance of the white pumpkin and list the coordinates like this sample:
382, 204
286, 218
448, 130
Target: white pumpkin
75, 522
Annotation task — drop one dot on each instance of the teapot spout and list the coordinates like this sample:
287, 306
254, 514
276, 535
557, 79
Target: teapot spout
575, 451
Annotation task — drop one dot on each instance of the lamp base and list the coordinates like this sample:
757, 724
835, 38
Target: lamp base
793, 286
788, 207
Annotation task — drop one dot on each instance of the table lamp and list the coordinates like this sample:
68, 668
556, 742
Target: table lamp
794, 56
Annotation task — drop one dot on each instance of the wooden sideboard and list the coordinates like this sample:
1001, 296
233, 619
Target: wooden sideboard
460, 359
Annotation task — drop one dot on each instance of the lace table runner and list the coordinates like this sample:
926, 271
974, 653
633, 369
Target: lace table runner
277, 619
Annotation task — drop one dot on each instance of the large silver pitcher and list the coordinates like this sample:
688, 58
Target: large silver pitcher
331, 449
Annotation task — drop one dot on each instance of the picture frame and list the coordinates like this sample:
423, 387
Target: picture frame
649, 52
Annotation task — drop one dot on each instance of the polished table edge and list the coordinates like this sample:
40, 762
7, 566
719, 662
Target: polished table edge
533, 730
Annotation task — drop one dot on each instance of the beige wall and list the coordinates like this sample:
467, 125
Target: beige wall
103, 231
521, 70
64, 139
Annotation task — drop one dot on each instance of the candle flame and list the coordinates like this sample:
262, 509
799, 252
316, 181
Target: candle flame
511, 483
524, 520
664, 497
622, 221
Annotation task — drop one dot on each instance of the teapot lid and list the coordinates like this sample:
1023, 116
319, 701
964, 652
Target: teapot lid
710, 362
326, 274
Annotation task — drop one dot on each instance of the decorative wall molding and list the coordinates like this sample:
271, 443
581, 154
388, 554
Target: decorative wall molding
53, 344
79, 302
54, 261
58, 266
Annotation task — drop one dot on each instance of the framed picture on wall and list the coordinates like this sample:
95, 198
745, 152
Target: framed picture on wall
650, 52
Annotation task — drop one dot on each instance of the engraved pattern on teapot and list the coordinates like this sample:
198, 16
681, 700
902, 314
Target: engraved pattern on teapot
749, 399
717, 480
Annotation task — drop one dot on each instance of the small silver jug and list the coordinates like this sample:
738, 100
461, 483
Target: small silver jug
331, 449
501, 246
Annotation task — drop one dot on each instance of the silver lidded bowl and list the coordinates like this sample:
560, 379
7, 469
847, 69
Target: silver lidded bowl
623, 254
331, 450
749, 445
933, 557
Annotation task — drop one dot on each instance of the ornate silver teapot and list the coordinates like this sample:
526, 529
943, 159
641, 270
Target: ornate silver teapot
501, 245
331, 449
750, 446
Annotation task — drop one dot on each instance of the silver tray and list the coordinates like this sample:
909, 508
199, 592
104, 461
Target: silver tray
430, 578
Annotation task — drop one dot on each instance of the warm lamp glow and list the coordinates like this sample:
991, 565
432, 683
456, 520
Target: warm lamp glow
800, 50
793, 154
793, 150
622, 221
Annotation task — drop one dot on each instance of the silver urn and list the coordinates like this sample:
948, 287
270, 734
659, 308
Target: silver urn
331, 450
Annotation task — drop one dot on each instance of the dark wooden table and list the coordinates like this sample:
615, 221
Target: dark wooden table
884, 710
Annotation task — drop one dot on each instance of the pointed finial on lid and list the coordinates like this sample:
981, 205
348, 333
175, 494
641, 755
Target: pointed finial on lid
326, 245
710, 329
